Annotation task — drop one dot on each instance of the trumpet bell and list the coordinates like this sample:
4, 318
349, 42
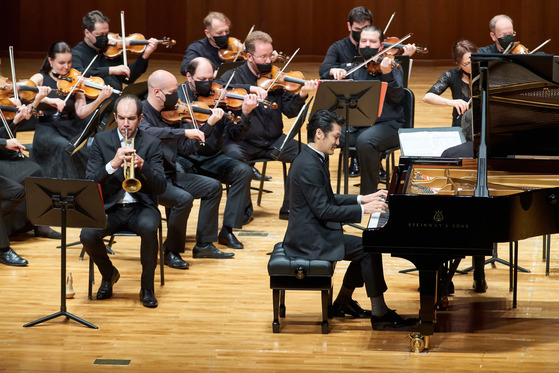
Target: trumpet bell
131, 185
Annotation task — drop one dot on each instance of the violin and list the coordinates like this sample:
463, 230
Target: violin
519, 49
236, 51
135, 43
233, 99
26, 88
373, 67
292, 81
397, 48
91, 86
9, 109
201, 111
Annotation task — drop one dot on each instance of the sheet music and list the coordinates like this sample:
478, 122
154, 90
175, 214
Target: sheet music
428, 143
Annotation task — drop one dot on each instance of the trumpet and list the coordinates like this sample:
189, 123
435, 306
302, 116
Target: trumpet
130, 184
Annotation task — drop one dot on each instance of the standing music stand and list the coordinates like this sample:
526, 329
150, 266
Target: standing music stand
359, 102
64, 203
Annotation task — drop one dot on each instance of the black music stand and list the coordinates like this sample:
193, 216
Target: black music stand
295, 129
357, 101
90, 128
64, 203
227, 66
139, 90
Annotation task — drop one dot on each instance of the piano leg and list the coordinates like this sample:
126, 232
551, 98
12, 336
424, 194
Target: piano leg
428, 299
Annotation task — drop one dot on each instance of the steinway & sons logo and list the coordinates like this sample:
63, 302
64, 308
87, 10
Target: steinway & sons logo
438, 222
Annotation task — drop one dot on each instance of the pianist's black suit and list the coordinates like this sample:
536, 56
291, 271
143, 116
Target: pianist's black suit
142, 217
315, 224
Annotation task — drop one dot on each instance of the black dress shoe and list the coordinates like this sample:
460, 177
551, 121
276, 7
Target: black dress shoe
354, 167
11, 258
480, 286
174, 260
148, 298
106, 289
351, 309
284, 214
392, 320
230, 241
210, 251
256, 175
49, 233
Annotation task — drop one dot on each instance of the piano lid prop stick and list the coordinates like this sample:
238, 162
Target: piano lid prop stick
541, 45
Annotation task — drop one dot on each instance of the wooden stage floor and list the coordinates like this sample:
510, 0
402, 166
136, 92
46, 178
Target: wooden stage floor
217, 315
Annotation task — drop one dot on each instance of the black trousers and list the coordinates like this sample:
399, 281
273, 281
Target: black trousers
12, 194
365, 268
178, 199
370, 143
245, 152
136, 217
232, 172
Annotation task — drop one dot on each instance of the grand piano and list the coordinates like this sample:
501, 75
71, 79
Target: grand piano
441, 210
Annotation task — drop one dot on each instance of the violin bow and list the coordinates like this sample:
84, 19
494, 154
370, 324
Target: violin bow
541, 45
82, 76
9, 131
282, 70
378, 54
240, 50
388, 24
187, 99
124, 57
16, 94
224, 91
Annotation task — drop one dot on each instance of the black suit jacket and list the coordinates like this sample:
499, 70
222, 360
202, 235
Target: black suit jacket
316, 215
464, 150
151, 175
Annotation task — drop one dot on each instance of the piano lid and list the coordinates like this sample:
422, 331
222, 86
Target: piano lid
523, 108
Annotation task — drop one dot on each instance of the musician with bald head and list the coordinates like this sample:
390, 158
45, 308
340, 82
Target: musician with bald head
136, 212
501, 32
182, 188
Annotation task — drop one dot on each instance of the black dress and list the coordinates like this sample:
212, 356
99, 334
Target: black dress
459, 88
52, 134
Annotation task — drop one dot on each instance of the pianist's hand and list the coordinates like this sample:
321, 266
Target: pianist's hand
375, 202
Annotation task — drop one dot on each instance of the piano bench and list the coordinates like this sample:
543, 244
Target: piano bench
288, 273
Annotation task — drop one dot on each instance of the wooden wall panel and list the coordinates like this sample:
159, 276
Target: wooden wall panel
312, 25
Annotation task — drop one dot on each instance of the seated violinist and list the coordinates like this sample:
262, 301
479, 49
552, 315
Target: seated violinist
501, 32
209, 160
266, 126
216, 28
372, 141
113, 71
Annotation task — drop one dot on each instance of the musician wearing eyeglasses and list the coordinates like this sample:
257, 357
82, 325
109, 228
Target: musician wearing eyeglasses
112, 151
372, 141
502, 33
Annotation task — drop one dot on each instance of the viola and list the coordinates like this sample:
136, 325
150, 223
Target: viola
393, 42
519, 49
201, 111
292, 81
9, 109
91, 86
233, 99
26, 88
135, 43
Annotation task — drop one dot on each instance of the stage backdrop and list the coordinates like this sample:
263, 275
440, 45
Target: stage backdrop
312, 25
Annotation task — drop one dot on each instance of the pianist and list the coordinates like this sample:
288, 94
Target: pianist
315, 230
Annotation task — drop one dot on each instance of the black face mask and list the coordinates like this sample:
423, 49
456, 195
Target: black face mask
505, 41
170, 100
203, 88
264, 68
368, 52
101, 41
221, 41
356, 35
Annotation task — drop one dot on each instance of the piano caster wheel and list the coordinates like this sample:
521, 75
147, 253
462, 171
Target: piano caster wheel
418, 342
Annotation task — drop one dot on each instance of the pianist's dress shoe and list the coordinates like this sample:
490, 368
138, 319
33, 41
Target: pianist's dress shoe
229, 240
210, 251
148, 298
480, 286
106, 289
353, 167
174, 260
352, 309
11, 258
256, 175
46, 233
392, 320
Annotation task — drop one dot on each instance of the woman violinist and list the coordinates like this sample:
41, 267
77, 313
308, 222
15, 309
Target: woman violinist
372, 141
457, 79
62, 120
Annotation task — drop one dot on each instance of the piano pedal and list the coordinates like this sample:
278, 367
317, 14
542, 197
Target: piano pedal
418, 342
